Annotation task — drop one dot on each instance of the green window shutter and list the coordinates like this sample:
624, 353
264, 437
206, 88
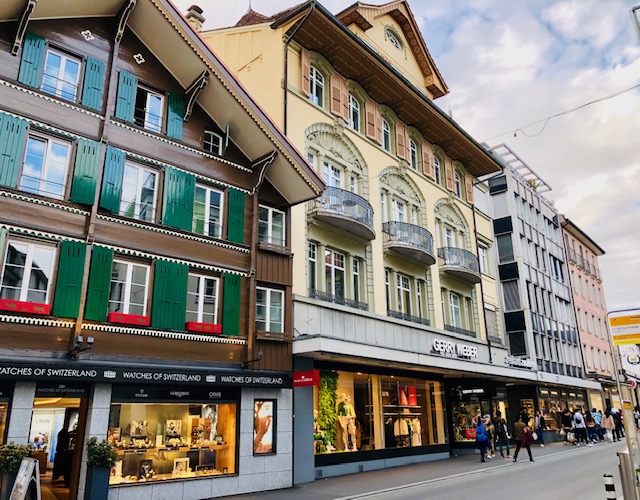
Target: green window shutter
231, 305
34, 49
66, 302
93, 83
177, 206
12, 137
169, 307
126, 100
112, 180
85, 173
235, 222
99, 284
176, 114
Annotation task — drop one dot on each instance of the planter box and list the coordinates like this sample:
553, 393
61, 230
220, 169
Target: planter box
193, 326
25, 307
128, 319
97, 485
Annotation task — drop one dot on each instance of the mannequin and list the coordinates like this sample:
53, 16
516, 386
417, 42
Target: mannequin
347, 421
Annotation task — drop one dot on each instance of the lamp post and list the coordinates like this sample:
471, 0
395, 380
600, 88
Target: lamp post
635, 14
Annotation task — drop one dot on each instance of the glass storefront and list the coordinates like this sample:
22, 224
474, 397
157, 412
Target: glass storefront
357, 411
469, 404
157, 441
5, 397
553, 401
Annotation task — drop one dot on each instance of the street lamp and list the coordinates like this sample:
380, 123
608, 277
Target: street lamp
635, 14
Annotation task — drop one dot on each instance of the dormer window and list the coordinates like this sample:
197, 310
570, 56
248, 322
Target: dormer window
149, 109
212, 143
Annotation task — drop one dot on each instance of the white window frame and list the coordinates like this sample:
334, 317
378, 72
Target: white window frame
140, 169
413, 154
482, 259
148, 124
437, 171
331, 269
201, 298
46, 166
268, 305
393, 40
332, 175
209, 142
386, 135
269, 223
207, 211
458, 185
449, 237
312, 258
127, 286
58, 90
403, 289
354, 113
357, 292
454, 306
399, 210
316, 87
28, 267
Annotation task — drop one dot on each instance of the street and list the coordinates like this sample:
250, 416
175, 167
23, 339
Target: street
558, 472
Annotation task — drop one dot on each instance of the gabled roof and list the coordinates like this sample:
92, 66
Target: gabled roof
252, 17
573, 229
364, 15
172, 40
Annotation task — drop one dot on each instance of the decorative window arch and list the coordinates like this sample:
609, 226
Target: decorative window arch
393, 37
451, 226
400, 198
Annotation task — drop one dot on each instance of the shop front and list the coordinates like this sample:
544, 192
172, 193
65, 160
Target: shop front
6, 393
175, 430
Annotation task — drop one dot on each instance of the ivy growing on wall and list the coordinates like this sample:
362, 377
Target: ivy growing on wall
327, 398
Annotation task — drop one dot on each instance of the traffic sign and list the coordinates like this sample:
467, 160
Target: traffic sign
625, 326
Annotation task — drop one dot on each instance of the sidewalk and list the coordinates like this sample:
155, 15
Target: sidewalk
355, 485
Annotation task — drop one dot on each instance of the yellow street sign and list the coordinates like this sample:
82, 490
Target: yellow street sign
625, 327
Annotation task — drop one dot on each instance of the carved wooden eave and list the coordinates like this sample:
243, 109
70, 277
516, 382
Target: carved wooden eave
192, 92
123, 17
22, 26
364, 16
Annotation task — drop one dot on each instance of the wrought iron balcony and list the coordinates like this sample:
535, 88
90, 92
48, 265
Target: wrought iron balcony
462, 331
336, 299
459, 263
410, 240
408, 317
345, 210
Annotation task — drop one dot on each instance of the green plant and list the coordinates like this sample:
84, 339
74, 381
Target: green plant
100, 453
11, 455
327, 398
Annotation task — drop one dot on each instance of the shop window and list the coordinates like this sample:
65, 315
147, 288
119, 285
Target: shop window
202, 299
45, 167
317, 86
27, 272
269, 310
212, 143
138, 198
156, 442
207, 211
128, 288
271, 226
61, 75
361, 412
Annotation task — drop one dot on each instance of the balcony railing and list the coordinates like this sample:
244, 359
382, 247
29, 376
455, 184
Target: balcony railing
411, 240
460, 262
336, 299
345, 210
408, 317
462, 331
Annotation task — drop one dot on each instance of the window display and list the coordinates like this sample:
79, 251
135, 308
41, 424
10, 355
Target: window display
264, 427
469, 403
160, 441
357, 412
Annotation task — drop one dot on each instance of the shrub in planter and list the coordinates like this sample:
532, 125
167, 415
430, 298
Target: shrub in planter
100, 458
11, 456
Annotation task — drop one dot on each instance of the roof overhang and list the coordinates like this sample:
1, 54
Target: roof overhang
569, 226
323, 33
172, 40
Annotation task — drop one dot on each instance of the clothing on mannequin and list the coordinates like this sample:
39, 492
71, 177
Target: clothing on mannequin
347, 421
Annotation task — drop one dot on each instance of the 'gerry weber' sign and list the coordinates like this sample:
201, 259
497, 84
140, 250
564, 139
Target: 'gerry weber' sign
519, 362
460, 350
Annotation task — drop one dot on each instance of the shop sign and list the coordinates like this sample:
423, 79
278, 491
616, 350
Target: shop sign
160, 394
83, 373
460, 350
633, 359
472, 391
519, 362
60, 390
306, 378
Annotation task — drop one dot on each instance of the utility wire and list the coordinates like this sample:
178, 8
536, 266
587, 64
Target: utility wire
544, 121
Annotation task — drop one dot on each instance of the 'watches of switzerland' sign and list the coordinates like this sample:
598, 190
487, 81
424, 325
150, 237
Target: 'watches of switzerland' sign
458, 349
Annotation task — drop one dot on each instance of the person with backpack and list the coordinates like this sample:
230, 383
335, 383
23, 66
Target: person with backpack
580, 427
482, 440
501, 435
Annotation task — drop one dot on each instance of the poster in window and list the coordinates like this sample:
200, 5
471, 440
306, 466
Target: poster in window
264, 427
173, 428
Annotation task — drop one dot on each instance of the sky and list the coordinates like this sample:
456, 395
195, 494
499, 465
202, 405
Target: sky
510, 64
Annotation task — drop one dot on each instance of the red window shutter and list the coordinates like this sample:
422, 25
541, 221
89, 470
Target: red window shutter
468, 181
306, 72
336, 95
370, 111
401, 140
427, 161
448, 172
345, 100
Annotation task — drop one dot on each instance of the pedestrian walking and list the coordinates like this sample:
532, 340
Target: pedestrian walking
591, 427
580, 426
617, 420
540, 427
523, 437
608, 424
567, 425
501, 432
597, 418
482, 441
490, 432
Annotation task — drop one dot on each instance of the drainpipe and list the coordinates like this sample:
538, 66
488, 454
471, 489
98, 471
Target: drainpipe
286, 63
